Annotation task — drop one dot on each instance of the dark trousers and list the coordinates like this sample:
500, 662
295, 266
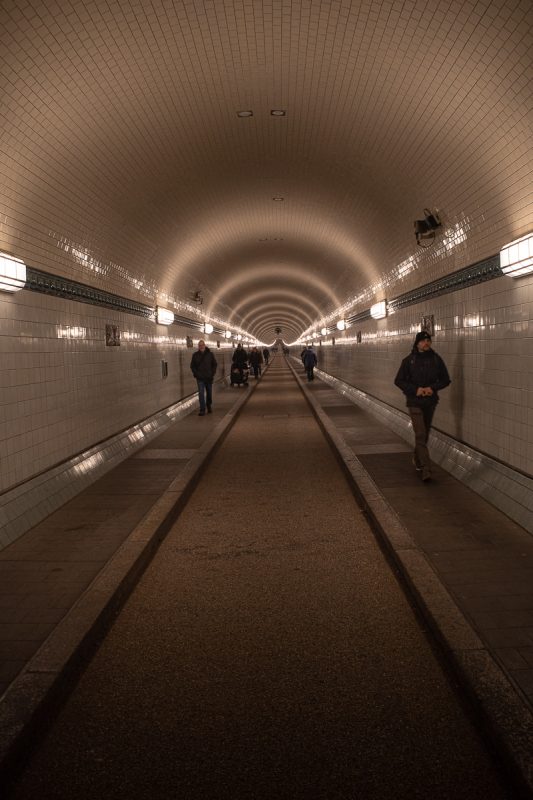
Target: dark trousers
421, 419
310, 373
205, 393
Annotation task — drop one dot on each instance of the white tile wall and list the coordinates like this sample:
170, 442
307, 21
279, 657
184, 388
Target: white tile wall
485, 335
62, 389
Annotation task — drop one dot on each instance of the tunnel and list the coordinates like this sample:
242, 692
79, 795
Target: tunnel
349, 179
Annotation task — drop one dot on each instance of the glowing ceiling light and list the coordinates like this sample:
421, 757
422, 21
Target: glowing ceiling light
324, 331
341, 324
12, 273
164, 316
227, 334
516, 258
208, 328
379, 310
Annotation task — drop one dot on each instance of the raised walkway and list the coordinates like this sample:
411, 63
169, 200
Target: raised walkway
468, 567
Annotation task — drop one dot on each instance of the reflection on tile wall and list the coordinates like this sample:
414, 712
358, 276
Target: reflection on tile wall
63, 389
485, 335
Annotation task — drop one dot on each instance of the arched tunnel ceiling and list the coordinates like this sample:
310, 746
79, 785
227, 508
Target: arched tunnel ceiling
121, 134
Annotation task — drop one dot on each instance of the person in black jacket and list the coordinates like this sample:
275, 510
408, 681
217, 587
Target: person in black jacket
309, 361
256, 359
420, 377
240, 357
204, 367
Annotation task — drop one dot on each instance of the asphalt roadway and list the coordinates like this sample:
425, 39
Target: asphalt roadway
268, 650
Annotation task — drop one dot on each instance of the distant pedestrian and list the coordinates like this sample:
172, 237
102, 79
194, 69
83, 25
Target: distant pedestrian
266, 355
309, 361
204, 367
256, 359
421, 376
240, 357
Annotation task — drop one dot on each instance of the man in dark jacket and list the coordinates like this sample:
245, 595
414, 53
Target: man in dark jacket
309, 362
420, 377
256, 359
204, 366
240, 357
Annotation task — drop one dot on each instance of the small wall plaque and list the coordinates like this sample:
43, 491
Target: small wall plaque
112, 335
428, 324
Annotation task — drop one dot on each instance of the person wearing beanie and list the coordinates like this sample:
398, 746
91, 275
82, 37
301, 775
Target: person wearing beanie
421, 376
204, 367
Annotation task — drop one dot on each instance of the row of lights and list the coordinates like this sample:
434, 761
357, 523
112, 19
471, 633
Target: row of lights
516, 259
274, 112
164, 316
377, 311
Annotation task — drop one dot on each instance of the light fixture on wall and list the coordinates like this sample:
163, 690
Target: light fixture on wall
164, 316
208, 328
425, 228
516, 258
12, 273
341, 325
379, 310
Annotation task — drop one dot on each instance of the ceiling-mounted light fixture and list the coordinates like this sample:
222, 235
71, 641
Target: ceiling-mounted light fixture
164, 316
516, 258
245, 113
379, 310
341, 325
278, 199
12, 273
277, 112
324, 331
208, 328
239, 337
227, 334
425, 228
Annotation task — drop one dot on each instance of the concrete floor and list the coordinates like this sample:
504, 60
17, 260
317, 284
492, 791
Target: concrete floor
268, 651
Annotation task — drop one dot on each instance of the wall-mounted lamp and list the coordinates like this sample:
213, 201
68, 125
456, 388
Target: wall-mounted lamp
425, 228
164, 316
379, 310
12, 273
208, 328
516, 258
227, 334
341, 325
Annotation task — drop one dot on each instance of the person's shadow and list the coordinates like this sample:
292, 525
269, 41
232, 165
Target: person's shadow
457, 391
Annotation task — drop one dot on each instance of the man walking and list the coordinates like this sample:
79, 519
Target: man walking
421, 376
309, 361
204, 367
